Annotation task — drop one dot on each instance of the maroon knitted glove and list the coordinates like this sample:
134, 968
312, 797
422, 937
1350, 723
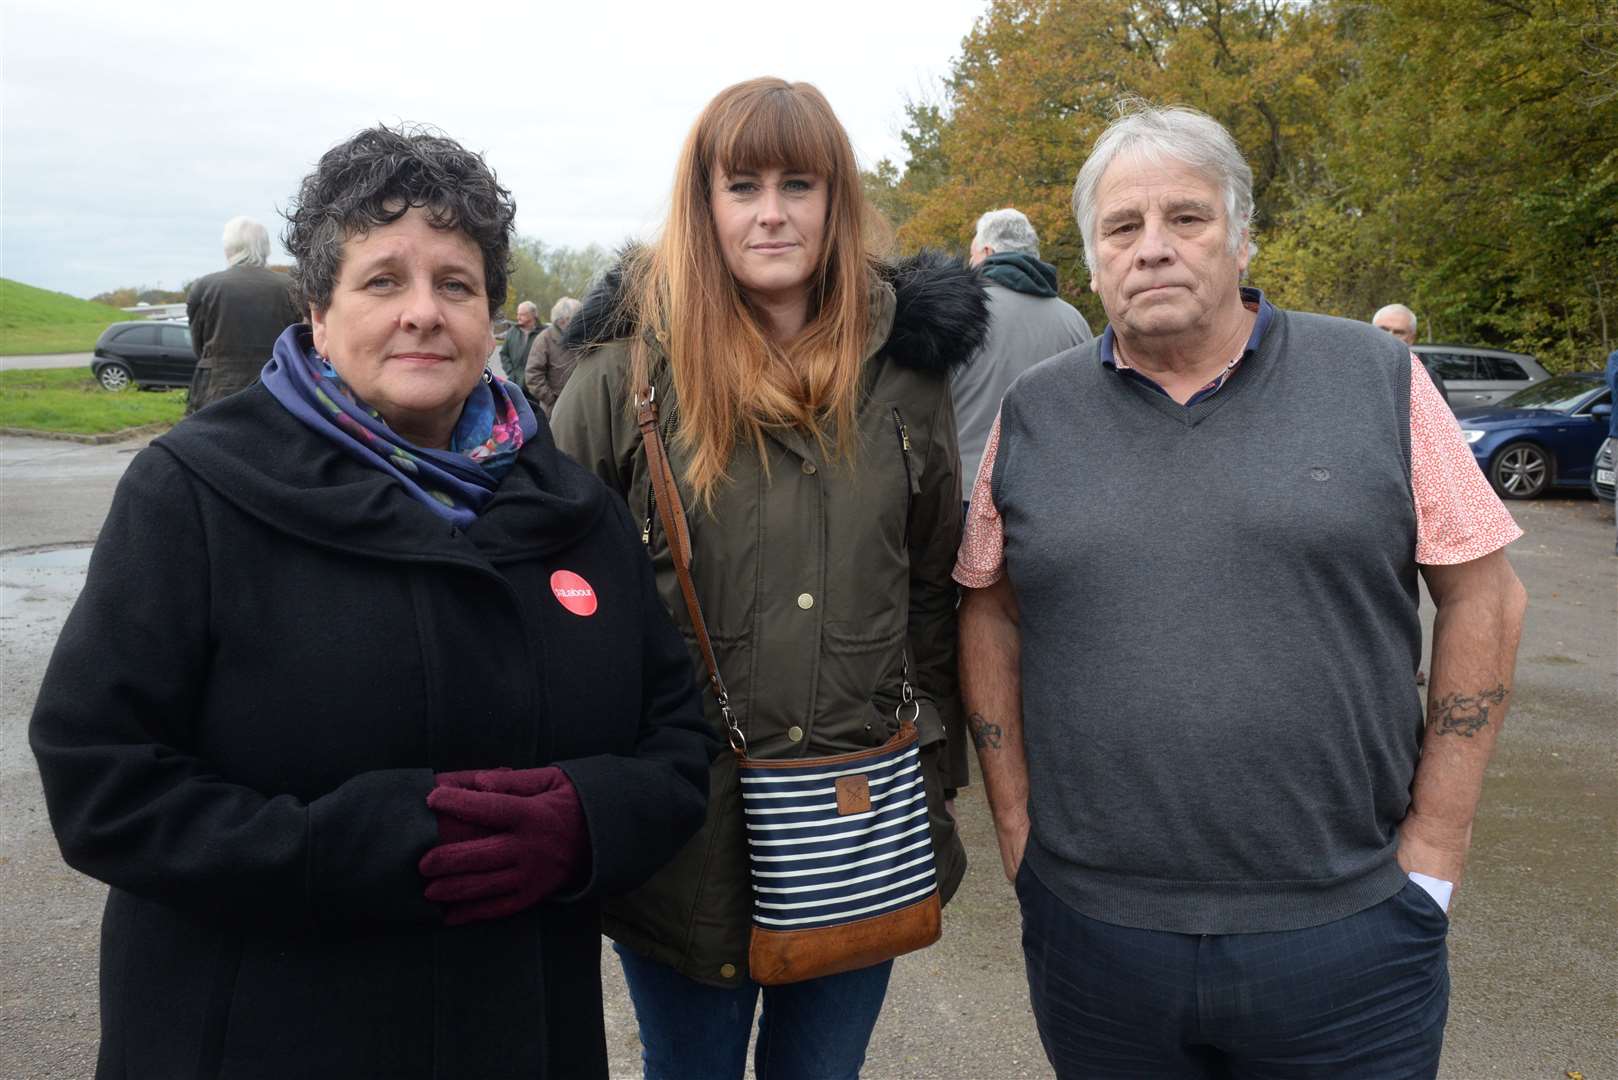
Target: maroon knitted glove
538, 843
452, 830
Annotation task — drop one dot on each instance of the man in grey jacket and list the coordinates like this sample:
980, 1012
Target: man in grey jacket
1186, 643
236, 315
1027, 323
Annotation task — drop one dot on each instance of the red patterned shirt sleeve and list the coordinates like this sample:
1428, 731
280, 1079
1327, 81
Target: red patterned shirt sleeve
1458, 516
982, 558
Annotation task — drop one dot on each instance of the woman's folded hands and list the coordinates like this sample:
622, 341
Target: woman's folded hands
508, 838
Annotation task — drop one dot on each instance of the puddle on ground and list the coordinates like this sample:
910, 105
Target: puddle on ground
44, 579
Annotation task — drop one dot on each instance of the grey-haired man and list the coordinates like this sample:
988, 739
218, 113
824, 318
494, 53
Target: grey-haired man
1186, 645
236, 315
1400, 321
1027, 323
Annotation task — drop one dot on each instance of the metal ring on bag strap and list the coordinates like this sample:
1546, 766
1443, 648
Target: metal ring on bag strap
907, 693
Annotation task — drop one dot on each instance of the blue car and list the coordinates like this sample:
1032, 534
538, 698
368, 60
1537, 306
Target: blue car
1542, 437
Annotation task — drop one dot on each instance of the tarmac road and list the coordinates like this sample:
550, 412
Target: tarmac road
53, 360
1532, 944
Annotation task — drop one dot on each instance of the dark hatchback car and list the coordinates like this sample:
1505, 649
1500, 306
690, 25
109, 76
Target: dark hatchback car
145, 354
1543, 437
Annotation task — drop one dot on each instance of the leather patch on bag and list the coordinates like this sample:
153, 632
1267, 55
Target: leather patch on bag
853, 794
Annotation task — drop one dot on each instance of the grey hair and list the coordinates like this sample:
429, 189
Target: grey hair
528, 305
372, 179
564, 309
247, 243
1175, 133
1396, 309
1007, 231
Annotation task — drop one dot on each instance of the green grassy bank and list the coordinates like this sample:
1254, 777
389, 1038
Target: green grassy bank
69, 400
39, 321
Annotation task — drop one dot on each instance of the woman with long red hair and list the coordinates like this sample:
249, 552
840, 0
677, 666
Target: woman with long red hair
802, 392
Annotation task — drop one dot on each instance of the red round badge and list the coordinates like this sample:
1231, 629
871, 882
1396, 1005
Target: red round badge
573, 592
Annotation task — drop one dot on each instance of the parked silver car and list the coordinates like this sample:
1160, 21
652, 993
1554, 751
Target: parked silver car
1602, 472
1477, 376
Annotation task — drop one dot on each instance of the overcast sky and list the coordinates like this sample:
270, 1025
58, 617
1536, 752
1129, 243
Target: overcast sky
130, 133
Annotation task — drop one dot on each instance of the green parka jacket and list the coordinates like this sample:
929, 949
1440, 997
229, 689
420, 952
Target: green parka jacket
816, 576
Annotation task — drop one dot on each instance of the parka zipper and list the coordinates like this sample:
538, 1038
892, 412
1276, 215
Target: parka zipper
910, 478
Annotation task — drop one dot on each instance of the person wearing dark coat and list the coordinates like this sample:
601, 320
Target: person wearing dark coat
550, 362
345, 835
236, 315
519, 339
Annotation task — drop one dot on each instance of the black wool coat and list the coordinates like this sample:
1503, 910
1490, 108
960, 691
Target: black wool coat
275, 650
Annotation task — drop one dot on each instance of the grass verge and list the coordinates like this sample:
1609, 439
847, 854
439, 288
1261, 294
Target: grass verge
68, 400
40, 321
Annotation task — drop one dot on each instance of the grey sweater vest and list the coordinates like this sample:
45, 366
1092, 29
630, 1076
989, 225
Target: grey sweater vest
1219, 631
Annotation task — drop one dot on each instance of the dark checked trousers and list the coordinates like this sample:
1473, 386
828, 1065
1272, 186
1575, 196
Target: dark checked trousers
1364, 996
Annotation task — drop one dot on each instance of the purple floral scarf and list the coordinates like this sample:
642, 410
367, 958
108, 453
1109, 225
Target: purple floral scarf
455, 483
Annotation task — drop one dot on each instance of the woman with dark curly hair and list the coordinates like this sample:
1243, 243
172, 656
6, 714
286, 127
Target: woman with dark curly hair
346, 835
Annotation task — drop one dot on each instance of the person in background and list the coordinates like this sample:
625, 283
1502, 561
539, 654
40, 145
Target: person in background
550, 362
514, 349
803, 387
369, 697
1186, 642
1400, 321
236, 314
1027, 323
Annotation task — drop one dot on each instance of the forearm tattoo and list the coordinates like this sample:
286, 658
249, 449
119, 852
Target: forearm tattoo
1465, 715
984, 734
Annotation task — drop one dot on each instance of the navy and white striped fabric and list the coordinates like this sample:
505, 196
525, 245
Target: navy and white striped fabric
813, 867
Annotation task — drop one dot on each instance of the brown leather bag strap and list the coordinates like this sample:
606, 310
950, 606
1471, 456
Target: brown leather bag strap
671, 511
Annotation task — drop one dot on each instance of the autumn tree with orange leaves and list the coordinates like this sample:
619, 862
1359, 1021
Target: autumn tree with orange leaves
1458, 155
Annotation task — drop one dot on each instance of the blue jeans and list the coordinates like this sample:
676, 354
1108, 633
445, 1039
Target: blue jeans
815, 1030
1364, 996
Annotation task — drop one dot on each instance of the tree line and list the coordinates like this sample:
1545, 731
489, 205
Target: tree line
544, 273
1460, 156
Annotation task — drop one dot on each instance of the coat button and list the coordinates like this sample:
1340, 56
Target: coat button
795, 733
808, 468
805, 601
728, 971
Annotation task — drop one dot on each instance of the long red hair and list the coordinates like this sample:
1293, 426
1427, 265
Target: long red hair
732, 381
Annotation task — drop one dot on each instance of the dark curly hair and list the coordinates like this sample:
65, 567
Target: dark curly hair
371, 180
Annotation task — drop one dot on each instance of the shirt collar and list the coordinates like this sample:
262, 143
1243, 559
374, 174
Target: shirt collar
1252, 299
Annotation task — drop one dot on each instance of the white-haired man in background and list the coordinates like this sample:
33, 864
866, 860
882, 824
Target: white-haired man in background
1400, 321
1186, 643
519, 339
236, 314
1027, 323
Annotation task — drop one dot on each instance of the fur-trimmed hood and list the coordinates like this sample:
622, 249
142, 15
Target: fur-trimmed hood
940, 312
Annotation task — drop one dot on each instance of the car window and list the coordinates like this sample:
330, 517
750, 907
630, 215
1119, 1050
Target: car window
175, 337
1452, 365
138, 335
1560, 393
1501, 367
1603, 398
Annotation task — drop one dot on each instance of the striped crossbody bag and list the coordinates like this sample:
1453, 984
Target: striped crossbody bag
838, 848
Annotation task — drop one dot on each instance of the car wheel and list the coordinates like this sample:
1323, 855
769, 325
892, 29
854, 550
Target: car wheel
1521, 470
115, 377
